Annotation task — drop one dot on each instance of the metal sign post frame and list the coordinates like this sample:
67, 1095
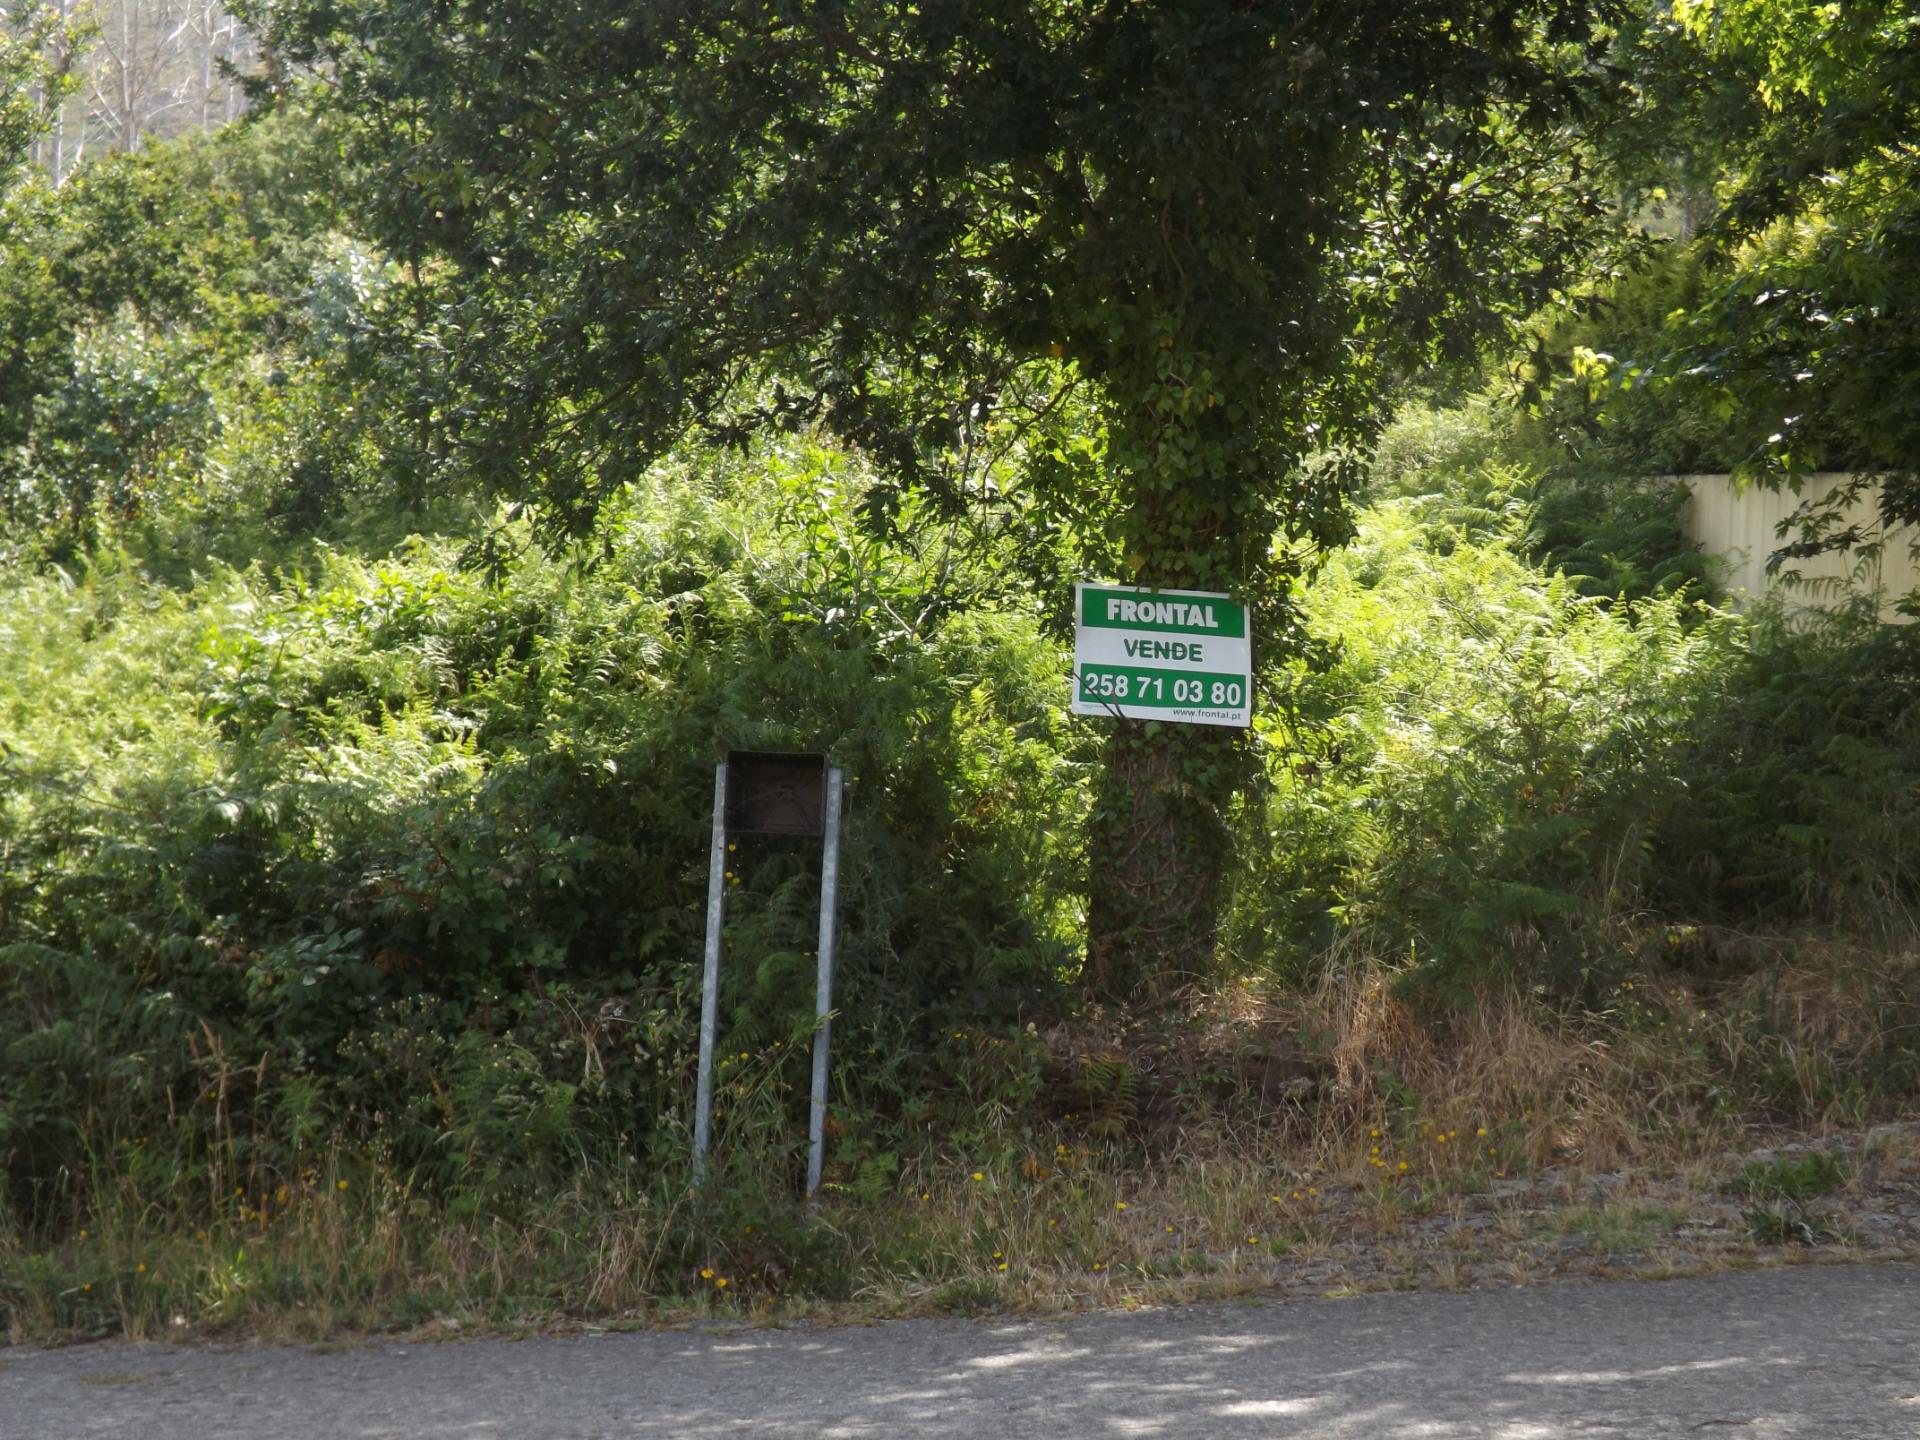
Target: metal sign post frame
823, 982
835, 787
710, 978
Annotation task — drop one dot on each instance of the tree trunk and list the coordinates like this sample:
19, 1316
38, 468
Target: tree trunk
206, 62
1159, 850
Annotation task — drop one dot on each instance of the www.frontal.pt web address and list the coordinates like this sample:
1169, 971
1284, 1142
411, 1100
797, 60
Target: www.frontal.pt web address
1203, 714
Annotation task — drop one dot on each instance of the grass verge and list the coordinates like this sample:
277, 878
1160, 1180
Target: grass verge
1324, 1144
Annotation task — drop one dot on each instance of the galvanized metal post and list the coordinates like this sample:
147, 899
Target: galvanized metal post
823, 987
710, 979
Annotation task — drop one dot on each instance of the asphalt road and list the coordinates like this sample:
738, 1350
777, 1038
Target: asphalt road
1819, 1352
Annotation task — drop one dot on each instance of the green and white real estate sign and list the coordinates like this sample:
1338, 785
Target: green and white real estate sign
1179, 655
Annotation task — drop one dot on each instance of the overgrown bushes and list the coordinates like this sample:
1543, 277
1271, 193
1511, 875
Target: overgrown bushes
384, 859
1498, 776
382, 850
1802, 799
1478, 779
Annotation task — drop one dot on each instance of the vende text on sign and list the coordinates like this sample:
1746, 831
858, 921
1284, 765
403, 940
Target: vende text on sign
1179, 655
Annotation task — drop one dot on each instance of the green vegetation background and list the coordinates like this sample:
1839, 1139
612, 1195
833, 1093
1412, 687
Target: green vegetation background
350, 839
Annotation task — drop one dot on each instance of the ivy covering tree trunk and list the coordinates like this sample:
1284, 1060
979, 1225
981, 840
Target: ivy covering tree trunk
1159, 856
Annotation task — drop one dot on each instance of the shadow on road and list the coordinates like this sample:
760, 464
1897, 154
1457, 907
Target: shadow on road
1829, 1352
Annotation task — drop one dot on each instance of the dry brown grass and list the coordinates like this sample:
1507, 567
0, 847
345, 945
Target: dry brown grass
1503, 1092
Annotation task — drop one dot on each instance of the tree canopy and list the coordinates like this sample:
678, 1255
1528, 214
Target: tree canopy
1214, 226
1803, 332
32, 80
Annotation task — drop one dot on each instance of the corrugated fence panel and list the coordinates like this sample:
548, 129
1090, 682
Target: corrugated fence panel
1741, 527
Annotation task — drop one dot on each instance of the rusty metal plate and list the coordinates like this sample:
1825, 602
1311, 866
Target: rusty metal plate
776, 794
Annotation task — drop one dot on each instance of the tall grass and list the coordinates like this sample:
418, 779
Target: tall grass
1404, 1116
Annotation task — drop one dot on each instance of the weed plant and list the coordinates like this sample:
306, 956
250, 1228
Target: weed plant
1498, 776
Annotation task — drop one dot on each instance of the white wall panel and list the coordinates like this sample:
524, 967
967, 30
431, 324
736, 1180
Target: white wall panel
1740, 527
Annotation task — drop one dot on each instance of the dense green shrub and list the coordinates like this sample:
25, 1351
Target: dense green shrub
1616, 532
1500, 776
1803, 794
151, 310
388, 853
1620, 535
1477, 778
418, 856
